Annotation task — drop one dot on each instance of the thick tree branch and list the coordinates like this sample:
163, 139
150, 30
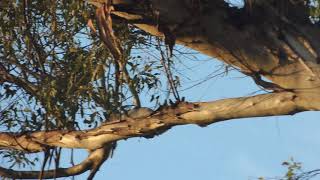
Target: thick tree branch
204, 113
93, 162
265, 41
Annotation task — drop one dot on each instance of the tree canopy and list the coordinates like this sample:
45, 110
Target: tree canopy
73, 73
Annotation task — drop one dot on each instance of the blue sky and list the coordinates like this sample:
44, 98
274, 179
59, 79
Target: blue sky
236, 149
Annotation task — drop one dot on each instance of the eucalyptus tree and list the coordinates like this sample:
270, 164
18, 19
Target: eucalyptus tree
65, 64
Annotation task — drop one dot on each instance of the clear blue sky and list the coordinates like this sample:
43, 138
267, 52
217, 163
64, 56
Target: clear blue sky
237, 149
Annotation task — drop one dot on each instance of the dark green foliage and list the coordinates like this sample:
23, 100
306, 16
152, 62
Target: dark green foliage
315, 10
56, 73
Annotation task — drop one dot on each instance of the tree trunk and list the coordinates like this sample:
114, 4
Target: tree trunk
270, 39
273, 40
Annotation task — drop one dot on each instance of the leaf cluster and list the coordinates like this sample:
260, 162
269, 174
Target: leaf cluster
55, 73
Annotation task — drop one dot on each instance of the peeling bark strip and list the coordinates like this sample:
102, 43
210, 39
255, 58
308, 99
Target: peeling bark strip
202, 114
104, 21
266, 38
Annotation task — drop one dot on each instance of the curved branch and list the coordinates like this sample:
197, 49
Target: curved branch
93, 162
200, 113
5, 76
275, 49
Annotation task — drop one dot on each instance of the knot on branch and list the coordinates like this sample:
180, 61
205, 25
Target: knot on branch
176, 108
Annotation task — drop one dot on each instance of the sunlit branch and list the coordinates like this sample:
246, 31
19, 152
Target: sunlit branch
200, 113
92, 162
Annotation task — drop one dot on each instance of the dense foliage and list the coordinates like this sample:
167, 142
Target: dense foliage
57, 74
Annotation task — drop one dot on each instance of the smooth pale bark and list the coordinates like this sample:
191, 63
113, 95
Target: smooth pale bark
204, 113
92, 162
261, 41
284, 51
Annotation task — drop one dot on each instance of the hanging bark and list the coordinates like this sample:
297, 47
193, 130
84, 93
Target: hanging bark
271, 39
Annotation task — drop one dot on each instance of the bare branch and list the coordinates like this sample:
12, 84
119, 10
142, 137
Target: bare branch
5, 76
93, 162
202, 113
